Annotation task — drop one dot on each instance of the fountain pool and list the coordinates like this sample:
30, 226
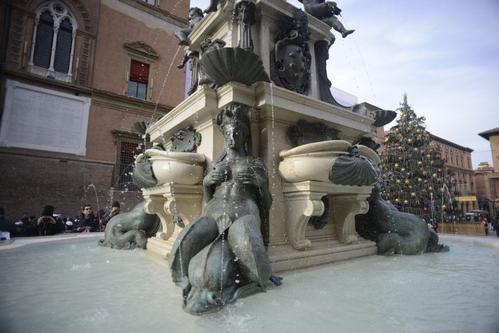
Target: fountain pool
73, 285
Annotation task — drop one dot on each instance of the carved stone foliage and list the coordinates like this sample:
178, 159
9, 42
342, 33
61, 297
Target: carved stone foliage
290, 66
305, 132
185, 140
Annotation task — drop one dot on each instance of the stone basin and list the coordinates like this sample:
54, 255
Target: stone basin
176, 167
314, 161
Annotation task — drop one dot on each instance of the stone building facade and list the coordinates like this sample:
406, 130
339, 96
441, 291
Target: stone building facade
458, 162
491, 174
76, 76
485, 188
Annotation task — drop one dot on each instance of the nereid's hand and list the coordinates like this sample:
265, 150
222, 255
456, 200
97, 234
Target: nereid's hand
246, 177
215, 177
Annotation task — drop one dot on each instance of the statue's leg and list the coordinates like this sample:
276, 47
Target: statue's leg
246, 242
338, 26
192, 239
182, 36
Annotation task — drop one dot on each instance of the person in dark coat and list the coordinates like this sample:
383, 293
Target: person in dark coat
47, 224
87, 221
5, 227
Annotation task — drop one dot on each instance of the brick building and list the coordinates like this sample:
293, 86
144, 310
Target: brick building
491, 177
77, 74
458, 163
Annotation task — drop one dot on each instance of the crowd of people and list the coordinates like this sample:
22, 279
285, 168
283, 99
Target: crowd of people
49, 223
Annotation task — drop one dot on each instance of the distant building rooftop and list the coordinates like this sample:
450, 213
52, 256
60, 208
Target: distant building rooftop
487, 134
450, 143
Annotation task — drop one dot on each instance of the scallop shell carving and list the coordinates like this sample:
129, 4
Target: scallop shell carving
353, 170
233, 64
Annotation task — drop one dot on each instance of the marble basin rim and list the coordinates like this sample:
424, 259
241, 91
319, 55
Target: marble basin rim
176, 167
313, 161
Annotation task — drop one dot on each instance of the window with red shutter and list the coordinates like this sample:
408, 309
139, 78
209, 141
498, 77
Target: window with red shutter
139, 79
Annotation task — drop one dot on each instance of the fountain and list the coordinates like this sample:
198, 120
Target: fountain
290, 181
277, 151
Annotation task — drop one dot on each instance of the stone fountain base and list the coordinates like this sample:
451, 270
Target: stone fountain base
284, 258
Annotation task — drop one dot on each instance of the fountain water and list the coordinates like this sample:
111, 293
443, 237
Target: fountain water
81, 290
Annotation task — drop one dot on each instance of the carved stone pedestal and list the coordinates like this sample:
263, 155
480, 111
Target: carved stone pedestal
339, 241
168, 201
303, 201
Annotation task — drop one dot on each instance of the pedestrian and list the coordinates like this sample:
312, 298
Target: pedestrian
48, 224
115, 210
4, 226
87, 221
485, 226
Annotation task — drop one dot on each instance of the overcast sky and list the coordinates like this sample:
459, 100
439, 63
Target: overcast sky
443, 53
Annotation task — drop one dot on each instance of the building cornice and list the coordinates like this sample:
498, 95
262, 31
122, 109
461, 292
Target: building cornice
27, 77
157, 12
128, 104
126, 135
487, 134
99, 97
62, 157
450, 143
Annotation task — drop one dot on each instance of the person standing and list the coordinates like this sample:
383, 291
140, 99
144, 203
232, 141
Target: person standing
485, 226
4, 226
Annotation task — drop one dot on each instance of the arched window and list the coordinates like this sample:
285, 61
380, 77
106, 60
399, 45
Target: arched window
53, 41
43, 43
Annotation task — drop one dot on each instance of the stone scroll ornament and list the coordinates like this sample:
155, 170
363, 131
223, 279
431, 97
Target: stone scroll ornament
221, 257
291, 59
326, 11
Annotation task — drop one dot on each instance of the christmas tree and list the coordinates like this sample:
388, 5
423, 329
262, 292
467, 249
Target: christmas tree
414, 174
